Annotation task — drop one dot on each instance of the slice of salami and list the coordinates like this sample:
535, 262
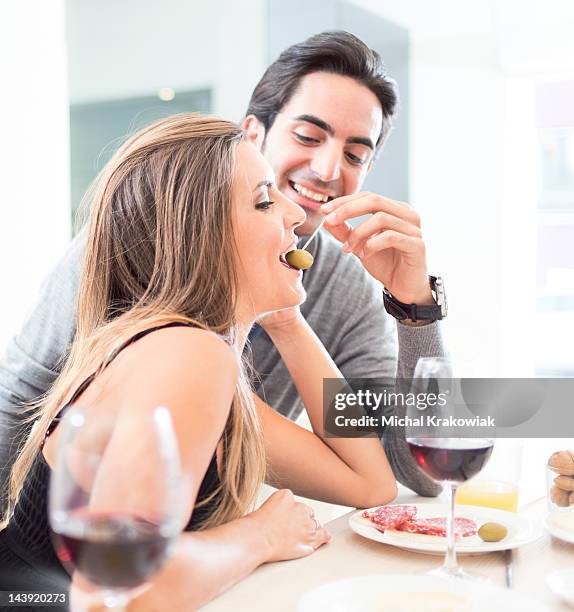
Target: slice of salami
389, 517
463, 527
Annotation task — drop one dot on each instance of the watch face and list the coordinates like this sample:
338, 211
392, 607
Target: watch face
438, 287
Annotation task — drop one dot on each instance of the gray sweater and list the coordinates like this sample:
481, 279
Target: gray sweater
344, 306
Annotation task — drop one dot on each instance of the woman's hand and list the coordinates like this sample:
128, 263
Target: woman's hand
280, 319
290, 527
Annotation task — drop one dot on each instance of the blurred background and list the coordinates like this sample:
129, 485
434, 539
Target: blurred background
483, 145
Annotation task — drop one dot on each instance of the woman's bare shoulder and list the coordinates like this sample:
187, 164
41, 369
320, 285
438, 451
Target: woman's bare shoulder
185, 344
182, 362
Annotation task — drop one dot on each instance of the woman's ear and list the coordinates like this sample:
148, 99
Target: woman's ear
255, 130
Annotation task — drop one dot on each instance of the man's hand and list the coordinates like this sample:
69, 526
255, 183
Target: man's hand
389, 243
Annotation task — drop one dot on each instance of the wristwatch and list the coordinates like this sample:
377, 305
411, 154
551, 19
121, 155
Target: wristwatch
426, 312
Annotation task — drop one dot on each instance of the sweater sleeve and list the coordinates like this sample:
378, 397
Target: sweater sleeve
32, 359
367, 348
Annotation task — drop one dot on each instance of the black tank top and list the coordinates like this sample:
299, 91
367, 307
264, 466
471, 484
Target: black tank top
27, 557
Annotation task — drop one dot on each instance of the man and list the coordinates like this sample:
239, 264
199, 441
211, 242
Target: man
319, 114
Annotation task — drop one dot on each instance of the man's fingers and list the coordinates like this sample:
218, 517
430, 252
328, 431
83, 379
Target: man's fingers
349, 207
377, 223
340, 201
395, 240
340, 232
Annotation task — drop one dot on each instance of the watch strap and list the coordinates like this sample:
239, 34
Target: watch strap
414, 312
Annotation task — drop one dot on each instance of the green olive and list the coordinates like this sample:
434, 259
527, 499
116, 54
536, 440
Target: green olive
492, 532
299, 259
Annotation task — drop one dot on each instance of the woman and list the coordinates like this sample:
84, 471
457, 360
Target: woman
184, 254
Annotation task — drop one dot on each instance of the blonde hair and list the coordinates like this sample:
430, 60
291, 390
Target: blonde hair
160, 248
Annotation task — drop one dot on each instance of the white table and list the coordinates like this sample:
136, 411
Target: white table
277, 587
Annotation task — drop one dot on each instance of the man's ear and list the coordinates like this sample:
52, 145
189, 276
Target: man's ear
255, 130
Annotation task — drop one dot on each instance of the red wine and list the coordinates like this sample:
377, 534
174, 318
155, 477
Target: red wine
451, 459
115, 551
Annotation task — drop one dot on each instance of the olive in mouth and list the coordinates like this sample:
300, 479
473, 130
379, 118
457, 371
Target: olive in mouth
299, 259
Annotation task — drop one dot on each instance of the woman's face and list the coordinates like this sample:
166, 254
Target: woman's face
264, 223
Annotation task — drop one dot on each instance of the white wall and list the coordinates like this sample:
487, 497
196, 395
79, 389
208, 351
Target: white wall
134, 47
217, 44
241, 55
456, 117
34, 213
473, 166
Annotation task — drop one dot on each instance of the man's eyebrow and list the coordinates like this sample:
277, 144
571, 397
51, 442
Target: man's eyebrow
323, 125
265, 183
316, 121
362, 141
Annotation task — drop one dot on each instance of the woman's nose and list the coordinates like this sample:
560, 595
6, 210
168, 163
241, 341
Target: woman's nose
294, 214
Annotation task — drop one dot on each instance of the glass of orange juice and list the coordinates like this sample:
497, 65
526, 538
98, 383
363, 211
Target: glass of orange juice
491, 493
498, 486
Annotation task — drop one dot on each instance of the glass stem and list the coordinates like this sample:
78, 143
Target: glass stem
450, 563
116, 601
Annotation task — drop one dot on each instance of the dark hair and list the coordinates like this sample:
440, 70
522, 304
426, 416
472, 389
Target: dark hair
338, 52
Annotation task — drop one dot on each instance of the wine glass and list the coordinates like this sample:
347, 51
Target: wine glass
115, 508
439, 447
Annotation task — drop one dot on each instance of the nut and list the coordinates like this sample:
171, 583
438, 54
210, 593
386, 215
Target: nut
566, 483
562, 462
560, 497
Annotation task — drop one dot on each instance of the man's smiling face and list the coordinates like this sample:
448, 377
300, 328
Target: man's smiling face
322, 142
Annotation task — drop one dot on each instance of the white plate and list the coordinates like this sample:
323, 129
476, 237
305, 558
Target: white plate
521, 530
561, 583
558, 531
370, 593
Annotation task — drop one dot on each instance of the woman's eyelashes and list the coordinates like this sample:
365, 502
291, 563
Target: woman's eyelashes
265, 205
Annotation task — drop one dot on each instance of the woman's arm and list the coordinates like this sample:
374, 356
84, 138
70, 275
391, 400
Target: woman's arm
347, 471
207, 563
